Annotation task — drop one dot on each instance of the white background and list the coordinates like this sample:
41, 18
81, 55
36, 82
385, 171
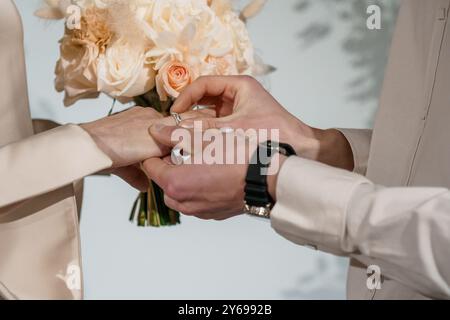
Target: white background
241, 258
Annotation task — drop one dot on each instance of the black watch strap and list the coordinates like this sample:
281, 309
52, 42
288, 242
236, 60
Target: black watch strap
256, 189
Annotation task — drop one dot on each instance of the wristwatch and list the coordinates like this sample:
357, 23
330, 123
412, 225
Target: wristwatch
258, 201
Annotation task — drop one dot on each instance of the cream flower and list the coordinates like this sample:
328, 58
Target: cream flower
125, 48
220, 7
122, 71
186, 31
243, 49
94, 28
222, 66
76, 70
172, 78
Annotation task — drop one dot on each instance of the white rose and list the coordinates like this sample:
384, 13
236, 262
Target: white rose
123, 72
185, 30
242, 44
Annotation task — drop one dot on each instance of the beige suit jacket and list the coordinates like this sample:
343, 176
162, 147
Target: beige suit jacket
39, 238
398, 216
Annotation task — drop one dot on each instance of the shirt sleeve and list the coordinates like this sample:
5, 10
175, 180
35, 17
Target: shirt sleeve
406, 231
360, 141
46, 162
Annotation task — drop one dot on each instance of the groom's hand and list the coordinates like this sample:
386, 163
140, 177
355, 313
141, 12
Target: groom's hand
207, 191
211, 184
242, 102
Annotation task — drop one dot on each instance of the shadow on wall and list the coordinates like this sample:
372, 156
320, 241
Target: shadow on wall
367, 49
368, 53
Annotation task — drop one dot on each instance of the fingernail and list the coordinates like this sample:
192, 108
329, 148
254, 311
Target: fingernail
158, 127
187, 125
227, 130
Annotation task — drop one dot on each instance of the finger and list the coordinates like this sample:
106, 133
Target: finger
168, 160
180, 138
222, 108
210, 86
134, 177
200, 124
157, 170
211, 123
163, 134
186, 208
172, 204
210, 101
204, 113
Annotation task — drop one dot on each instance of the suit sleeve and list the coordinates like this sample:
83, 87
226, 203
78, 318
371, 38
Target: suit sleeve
46, 162
360, 141
405, 231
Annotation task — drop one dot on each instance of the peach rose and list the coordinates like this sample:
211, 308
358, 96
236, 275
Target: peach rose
172, 78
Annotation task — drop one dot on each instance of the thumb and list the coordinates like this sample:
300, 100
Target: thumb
210, 123
163, 134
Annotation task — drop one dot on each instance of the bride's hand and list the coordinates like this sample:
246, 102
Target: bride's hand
124, 136
125, 139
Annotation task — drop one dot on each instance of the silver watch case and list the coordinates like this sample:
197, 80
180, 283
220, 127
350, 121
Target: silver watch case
260, 212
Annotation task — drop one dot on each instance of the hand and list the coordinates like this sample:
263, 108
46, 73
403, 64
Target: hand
134, 176
125, 139
241, 102
214, 191
124, 136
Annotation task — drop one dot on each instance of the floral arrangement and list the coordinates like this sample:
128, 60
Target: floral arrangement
148, 51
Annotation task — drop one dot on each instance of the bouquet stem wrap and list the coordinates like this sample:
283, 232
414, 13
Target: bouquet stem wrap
149, 208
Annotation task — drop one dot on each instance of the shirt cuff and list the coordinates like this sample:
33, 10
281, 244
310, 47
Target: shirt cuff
312, 202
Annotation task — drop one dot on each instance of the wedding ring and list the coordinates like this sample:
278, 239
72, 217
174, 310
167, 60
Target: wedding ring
178, 158
177, 118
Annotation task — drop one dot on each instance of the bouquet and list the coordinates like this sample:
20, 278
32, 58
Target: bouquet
146, 52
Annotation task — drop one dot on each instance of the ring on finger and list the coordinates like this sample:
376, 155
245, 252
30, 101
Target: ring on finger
177, 118
178, 158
